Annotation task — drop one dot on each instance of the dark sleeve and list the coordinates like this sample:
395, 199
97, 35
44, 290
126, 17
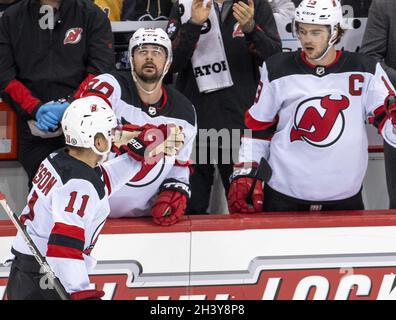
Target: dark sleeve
128, 11
184, 39
7, 65
21, 98
101, 56
264, 40
375, 39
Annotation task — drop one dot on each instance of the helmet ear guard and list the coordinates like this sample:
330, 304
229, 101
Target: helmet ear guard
84, 119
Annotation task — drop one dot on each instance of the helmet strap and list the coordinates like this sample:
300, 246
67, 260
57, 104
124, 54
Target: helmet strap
330, 44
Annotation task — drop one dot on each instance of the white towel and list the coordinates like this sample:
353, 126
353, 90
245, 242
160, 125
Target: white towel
209, 60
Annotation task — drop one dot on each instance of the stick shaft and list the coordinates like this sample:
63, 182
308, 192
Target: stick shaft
36, 253
264, 173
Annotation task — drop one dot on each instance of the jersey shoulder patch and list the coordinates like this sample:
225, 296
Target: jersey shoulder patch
178, 106
355, 61
282, 64
291, 63
69, 168
129, 92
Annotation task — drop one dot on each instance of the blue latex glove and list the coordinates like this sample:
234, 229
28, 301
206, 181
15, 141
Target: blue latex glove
47, 121
58, 109
50, 114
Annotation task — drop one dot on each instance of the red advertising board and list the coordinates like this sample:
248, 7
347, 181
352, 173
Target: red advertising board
288, 256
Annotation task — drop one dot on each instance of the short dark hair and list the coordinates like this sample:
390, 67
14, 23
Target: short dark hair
340, 33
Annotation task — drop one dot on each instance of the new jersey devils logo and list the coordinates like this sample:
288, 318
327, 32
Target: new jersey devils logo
319, 121
73, 36
237, 32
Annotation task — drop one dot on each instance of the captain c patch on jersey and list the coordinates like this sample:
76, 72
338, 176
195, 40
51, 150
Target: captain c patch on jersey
320, 121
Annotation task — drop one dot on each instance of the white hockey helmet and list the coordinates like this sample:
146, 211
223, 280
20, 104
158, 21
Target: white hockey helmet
323, 12
151, 36
86, 117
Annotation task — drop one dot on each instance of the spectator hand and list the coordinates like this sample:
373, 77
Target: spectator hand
171, 202
200, 12
244, 14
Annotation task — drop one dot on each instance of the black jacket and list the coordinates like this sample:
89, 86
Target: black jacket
38, 64
4, 6
245, 54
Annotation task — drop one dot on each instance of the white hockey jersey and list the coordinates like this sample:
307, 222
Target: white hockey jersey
67, 208
309, 122
138, 195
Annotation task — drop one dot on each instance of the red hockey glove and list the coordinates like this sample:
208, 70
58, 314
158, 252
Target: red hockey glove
152, 142
390, 108
171, 202
241, 182
87, 295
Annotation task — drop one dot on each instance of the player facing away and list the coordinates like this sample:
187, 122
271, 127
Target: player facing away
68, 204
161, 188
308, 121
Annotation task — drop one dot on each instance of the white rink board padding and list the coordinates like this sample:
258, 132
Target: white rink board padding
343, 255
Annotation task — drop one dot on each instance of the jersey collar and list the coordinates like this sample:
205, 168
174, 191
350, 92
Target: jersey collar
320, 70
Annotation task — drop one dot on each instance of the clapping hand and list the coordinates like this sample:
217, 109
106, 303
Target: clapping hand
200, 12
244, 14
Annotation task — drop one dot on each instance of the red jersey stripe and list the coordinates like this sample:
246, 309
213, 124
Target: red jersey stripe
257, 125
68, 230
55, 251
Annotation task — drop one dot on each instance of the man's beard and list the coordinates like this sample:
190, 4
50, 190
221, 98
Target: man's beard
152, 78
320, 54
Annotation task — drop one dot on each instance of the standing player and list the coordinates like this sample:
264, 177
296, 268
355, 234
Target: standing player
139, 97
68, 204
308, 121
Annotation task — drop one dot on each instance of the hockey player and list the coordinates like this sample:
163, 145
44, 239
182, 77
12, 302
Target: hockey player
161, 188
308, 121
68, 204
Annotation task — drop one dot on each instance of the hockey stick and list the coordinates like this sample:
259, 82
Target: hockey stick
36, 253
264, 173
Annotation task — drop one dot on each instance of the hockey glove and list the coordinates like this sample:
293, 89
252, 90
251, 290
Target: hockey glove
171, 202
390, 108
153, 143
242, 181
87, 295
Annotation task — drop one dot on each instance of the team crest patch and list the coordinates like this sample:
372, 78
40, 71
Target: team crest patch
73, 36
152, 111
320, 71
320, 121
171, 28
237, 31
